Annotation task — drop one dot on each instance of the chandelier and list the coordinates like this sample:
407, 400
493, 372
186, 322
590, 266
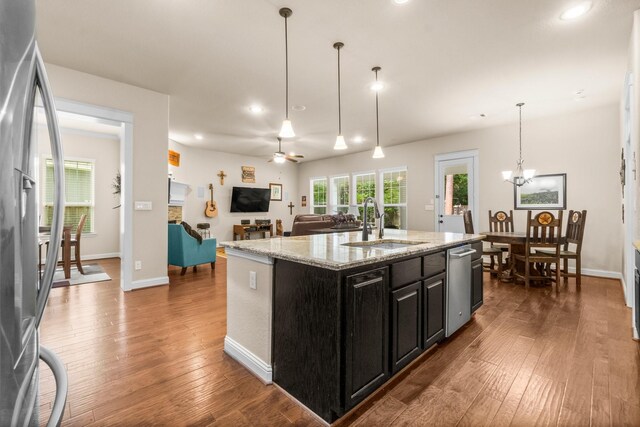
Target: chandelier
521, 175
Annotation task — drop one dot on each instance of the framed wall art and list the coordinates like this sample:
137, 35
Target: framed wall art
542, 192
276, 191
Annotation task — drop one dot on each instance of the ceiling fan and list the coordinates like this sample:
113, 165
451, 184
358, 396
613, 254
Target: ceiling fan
280, 156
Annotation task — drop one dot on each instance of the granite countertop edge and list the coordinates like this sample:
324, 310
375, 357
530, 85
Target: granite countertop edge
380, 255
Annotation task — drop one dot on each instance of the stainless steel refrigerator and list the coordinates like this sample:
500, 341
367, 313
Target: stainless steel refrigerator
24, 288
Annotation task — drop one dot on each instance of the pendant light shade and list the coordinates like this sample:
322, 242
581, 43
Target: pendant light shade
286, 131
377, 152
340, 143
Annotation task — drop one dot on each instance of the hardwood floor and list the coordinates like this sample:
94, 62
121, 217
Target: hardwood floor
154, 357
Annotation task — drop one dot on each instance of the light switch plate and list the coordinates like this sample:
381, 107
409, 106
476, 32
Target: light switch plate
253, 280
143, 205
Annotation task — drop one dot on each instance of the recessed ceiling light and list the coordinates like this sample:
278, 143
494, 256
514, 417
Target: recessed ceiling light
478, 116
576, 11
358, 139
255, 109
400, 1
377, 86
298, 108
579, 95
198, 136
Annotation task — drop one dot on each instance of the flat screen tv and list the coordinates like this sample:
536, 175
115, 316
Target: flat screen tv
245, 199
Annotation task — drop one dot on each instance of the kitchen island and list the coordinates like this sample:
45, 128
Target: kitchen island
330, 318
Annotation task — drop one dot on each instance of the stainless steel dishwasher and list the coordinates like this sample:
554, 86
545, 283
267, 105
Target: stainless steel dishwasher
458, 288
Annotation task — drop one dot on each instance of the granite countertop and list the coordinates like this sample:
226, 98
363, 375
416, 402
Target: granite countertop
327, 251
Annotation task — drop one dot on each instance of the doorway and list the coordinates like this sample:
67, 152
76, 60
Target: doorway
456, 189
124, 122
628, 197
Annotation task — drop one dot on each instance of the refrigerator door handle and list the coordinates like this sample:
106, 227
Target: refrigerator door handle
62, 385
42, 81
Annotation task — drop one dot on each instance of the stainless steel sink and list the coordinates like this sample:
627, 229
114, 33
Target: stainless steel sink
383, 244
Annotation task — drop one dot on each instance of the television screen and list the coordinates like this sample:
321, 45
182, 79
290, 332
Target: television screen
245, 199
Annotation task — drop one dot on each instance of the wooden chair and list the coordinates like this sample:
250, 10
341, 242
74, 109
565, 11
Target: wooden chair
490, 251
75, 242
500, 221
573, 240
543, 233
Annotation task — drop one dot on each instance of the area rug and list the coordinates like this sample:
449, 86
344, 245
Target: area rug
92, 273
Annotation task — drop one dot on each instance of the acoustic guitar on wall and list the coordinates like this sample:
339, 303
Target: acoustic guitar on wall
211, 210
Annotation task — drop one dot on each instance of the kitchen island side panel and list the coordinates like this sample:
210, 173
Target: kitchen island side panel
306, 319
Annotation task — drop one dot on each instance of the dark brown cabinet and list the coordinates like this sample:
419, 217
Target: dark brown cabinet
477, 286
433, 315
406, 325
366, 344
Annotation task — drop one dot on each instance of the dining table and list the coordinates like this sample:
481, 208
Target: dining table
44, 235
517, 241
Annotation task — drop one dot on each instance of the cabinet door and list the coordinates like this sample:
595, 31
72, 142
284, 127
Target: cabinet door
477, 286
406, 325
366, 338
433, 310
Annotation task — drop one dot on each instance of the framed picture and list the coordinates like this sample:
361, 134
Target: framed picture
248, 174
542, 192
276, 191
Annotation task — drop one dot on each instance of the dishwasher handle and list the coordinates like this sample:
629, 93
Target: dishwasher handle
462, 254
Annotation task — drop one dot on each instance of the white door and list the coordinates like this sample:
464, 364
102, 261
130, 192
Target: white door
456, 190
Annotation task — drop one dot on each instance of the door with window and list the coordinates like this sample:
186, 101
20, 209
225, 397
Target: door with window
455, 190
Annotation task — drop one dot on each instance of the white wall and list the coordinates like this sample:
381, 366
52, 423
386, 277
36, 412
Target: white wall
584, 145
150, 112
105, 151
199, 168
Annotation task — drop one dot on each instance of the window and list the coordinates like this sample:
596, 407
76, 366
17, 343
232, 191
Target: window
78, 193
394, 198
340, 194
365, 186
319, 195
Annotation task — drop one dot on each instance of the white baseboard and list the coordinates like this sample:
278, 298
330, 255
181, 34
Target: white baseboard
101, 256
249, 360
599, 273
147, 283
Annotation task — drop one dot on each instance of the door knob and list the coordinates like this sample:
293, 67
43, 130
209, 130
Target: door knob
441, 222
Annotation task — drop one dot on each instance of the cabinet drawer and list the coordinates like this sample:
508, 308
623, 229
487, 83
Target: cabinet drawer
405, 272
434, 264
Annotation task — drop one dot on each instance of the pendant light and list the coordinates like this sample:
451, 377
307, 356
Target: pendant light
377, 152
340, 144
522, 176
286, 131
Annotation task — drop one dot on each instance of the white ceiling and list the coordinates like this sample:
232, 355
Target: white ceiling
442, 61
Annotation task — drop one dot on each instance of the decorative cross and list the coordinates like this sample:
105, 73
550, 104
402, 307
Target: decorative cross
222, 175
291, 206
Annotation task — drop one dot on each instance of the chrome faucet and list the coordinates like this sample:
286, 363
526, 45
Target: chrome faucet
365, 225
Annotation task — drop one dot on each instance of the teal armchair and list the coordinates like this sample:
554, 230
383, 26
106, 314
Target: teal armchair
185, 251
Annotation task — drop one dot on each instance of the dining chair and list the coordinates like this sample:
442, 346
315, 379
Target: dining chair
494, 253
572, 247
543, 232
75, 243
500, 221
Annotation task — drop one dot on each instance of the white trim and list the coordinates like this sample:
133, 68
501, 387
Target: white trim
624, 293
123, 119
599, 273
101, 256
262, 259
253, 363
147, 283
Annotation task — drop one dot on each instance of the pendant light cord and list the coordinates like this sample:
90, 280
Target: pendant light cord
286, 66
520, 106
377, 124
339, 100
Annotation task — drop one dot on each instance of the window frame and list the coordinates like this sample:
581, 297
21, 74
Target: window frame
380, 199
312, 199
354, 176
333, 196
91, 205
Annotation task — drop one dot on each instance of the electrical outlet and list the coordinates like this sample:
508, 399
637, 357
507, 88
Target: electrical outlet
138, 265
253, 280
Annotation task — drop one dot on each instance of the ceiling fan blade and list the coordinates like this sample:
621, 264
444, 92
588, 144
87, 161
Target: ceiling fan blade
291, 160
270, 160
297, 156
